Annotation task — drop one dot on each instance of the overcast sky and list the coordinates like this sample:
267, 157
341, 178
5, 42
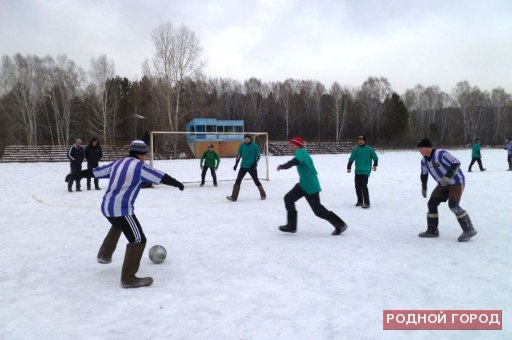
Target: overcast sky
406, 41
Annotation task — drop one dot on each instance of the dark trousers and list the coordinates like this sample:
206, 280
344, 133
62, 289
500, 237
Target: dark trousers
450, 193
75, 174
361, 181
313, 199
212, 170
96, 181
478, 160
130, 226
252, 171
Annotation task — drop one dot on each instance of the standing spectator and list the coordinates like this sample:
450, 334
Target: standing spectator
509, 153
308, 187
476, 156
445, 169
250, 155
126, 176
93, 154
76, 157
211, 161
362, 154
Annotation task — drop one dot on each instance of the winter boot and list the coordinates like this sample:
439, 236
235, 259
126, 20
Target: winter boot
131, 265
109, 245
366, 199
467, 227
432, 223
291, 226
214, 176
263, 195
339, 225
359, 194
97, 184
78, 186
70, 185
234, 195
509, 165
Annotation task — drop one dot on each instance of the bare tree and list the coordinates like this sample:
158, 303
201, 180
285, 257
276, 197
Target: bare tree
105, 98
63, 79
20, 79
338, 107
177, 57
499, 101
371, 96
472, 103
284, 93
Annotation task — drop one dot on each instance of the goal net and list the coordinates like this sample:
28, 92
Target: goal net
179, 153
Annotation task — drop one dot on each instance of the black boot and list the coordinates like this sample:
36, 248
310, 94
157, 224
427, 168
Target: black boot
467, 227
339, 225
97, 184
432, 223
359, 194
291, 226
366, 199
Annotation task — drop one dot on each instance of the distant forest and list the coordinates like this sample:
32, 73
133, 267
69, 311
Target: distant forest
51, 100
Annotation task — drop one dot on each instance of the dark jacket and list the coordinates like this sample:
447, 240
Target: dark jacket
76, 154
93, 154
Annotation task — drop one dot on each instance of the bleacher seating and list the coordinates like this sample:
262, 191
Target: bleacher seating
54, 153
282, 148
58, 153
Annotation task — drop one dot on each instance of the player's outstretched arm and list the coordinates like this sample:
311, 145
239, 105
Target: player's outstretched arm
288, 165
168, 180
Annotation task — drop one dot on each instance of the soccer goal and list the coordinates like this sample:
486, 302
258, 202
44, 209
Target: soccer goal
179, 153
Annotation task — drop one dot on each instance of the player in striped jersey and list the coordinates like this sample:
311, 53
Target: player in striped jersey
445, 169
126, 176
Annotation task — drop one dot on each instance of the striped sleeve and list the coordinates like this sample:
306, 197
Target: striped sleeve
448, 158
151, 175
424, 168
103, 171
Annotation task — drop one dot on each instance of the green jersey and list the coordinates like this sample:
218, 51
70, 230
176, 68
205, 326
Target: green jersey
475, 153
250, 153
363, 156
308, 177
211, 159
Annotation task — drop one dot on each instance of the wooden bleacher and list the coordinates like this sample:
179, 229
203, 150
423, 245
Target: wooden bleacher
282, 148
54, 153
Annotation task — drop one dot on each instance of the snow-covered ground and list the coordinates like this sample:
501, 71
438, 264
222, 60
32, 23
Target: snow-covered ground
231, 274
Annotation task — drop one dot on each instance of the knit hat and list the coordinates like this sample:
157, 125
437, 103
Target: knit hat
138, 147
424, 143
361, 136
477, 140
248, 136
299, 142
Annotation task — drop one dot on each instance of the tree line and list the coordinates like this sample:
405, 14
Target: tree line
51, 100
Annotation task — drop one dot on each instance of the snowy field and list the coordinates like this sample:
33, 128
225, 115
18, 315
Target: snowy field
231, 274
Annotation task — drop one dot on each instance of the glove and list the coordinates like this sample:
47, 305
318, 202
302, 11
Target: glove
180, 186
349, 170
424, 192
445, 181
234, 168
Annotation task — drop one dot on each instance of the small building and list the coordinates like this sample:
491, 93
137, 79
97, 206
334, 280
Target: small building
225, 135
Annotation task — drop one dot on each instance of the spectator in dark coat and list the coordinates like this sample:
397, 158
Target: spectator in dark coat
93, 154
76, 157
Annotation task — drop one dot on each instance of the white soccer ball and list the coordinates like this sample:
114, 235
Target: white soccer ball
157, 254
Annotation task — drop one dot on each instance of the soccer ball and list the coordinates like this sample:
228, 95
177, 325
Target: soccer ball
157, 254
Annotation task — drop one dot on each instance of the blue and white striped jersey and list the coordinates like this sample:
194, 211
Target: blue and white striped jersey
126, 176
438, 164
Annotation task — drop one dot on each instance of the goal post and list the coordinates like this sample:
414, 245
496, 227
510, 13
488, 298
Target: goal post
179, 153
